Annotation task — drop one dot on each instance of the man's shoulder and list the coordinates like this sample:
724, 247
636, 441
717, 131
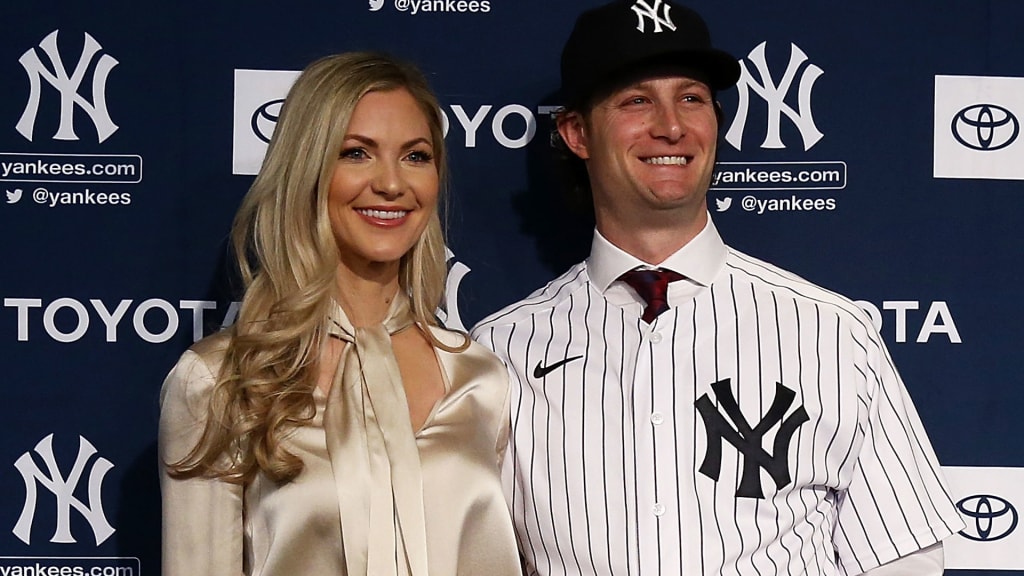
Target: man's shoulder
787, 285
540, 301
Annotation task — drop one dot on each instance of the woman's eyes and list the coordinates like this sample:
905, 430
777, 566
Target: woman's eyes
359, 153
353, 154
420, 156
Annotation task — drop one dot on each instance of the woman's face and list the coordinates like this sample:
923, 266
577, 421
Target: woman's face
385, 183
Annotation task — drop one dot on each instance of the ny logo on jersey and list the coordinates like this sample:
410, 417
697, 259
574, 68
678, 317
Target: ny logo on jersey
775, 96
645, 10
68, 85
747, 440
64, 490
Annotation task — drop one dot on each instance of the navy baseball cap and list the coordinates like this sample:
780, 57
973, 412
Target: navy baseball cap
624, 36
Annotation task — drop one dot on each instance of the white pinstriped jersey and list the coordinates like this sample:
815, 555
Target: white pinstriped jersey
758, 427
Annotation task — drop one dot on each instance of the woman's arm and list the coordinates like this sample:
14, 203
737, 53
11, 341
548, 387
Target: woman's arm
202, 518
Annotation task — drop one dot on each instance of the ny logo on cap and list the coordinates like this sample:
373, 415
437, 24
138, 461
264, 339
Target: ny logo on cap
643, 9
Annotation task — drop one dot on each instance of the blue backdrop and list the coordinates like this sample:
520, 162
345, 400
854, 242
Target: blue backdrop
871, 147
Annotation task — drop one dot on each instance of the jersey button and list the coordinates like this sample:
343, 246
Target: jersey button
655, 337
657, 418
658, 509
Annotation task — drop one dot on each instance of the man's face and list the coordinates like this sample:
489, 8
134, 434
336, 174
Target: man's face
649, 148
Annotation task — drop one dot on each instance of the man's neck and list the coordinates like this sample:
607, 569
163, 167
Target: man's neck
651, 243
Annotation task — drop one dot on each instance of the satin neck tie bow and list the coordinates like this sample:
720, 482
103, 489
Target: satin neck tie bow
373, 450
652, 286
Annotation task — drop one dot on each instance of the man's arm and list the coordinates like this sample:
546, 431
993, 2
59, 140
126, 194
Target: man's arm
925, 562
897, 503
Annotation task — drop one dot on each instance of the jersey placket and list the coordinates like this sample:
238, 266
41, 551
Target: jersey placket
657, 500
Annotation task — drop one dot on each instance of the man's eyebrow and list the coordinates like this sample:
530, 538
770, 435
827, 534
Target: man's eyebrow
644, 84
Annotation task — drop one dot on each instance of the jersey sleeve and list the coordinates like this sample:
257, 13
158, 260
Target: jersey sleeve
202, 518
897, 502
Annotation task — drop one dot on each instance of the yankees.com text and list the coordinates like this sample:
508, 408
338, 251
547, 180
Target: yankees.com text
78, 168
64, 567
779, 176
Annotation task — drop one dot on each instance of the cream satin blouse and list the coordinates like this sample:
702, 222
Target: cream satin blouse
212, 527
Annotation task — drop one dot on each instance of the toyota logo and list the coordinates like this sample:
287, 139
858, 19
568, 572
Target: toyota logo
985, 127
994, 518
264, 119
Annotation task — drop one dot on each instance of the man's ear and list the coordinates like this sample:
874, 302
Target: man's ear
573, 131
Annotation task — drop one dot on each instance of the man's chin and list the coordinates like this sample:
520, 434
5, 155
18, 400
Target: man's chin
671, 195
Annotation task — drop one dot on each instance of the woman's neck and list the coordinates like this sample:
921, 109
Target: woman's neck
366, 295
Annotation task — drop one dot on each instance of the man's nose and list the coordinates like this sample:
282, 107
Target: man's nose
668, 123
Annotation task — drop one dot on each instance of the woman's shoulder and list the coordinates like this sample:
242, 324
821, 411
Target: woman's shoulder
186, 394
461, 342
450, 338
468, 353
211, 349
195, 373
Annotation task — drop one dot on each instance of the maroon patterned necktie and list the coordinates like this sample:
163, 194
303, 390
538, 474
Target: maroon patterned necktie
652, 286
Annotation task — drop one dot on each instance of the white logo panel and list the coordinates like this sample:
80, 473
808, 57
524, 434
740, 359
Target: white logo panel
258, 98
990, 500
978, 127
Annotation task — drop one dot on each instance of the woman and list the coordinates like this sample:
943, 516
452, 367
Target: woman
335, 428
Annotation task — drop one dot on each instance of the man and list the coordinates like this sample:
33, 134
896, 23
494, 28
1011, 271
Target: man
679, 407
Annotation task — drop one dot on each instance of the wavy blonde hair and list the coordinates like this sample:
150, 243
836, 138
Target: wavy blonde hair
288, 256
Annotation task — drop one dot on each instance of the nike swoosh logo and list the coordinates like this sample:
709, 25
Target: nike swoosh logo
542, 371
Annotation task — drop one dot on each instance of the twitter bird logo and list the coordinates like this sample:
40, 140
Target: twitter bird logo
723, 204
376, 5
14, 197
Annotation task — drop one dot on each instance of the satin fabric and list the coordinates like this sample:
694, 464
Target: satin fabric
215, 528
371, 444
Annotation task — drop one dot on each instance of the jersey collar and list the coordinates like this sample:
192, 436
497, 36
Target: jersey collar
700, 260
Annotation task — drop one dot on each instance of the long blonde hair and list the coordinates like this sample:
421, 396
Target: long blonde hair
287, 257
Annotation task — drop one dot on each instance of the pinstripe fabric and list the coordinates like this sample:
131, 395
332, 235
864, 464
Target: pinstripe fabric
603, 468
